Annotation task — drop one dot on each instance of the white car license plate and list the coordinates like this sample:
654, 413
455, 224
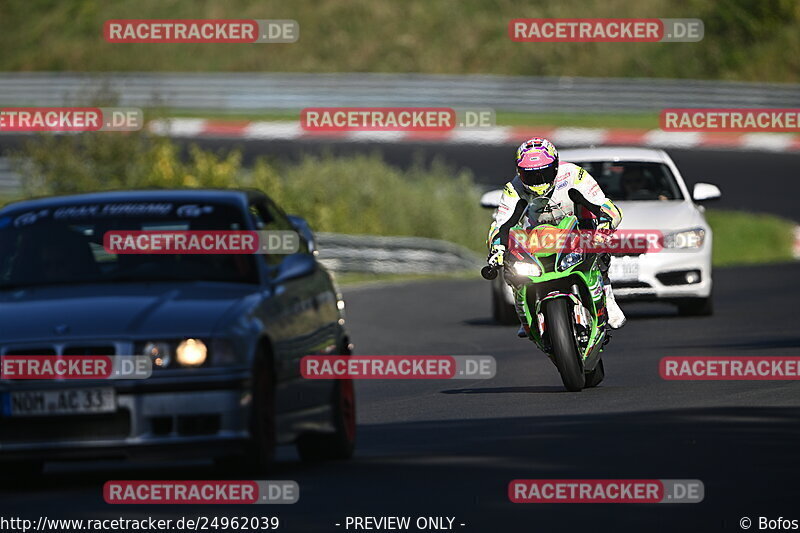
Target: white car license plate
624, 268
61, 402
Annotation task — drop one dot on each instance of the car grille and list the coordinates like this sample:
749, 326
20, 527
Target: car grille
106, 349
32, 351
630, 285
626, 255
65, 428
90, 350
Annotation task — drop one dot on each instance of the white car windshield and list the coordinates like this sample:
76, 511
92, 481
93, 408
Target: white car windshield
634, 180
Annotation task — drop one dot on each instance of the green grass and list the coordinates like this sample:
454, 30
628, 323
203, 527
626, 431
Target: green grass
752, 40
742, 238
8, 198
362, 194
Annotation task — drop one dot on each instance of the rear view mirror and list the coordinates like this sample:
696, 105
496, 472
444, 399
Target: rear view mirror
295, 266
704, 192
491, 198
304, 230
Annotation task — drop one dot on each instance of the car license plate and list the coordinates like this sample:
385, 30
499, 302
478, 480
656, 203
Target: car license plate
60, 402
624, 268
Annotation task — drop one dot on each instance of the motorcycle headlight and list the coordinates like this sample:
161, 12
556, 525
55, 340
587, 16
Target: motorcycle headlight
569, 260
527, 269
191, 352
692, 238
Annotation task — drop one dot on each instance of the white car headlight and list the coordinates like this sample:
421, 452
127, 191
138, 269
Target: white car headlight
692, 238
527, 269
571, 259
191, 352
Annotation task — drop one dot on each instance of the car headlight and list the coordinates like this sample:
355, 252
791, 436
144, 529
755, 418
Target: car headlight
191, 352
527, 269
692, 238
159, 352
569, 260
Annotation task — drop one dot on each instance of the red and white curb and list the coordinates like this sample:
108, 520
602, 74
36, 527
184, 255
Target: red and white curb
498, 135
797, 242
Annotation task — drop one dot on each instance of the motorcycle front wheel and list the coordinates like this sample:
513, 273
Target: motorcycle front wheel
558, 320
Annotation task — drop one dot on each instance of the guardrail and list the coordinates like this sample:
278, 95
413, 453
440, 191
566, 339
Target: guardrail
237, 92
9, 179
393, 255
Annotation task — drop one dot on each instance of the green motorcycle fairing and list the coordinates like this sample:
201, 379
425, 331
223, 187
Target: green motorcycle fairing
554, 282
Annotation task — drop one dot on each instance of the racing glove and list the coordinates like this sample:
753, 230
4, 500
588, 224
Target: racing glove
602, 235
495, 258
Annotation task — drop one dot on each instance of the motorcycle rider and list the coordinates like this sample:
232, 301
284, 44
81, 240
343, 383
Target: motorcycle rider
540, 174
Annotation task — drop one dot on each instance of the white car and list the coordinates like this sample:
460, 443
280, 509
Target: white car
649, 189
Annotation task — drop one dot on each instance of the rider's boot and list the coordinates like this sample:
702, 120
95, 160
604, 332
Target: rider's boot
616, 318
522, 332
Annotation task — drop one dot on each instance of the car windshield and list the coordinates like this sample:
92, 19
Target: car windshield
65, 245
634, 180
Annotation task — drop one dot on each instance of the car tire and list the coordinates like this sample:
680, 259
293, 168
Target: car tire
597, 375
502, 312
340, 444
259, 450
696, 307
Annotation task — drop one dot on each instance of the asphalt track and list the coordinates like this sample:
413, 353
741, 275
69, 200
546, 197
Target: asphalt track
450, 448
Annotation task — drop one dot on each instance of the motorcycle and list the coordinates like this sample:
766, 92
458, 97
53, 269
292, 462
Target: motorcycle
560, 291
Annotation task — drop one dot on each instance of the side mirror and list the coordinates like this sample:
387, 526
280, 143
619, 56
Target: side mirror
304, 230
295, 266
491, 198
704, 192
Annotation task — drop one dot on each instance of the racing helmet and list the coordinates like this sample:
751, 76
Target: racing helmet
537, 165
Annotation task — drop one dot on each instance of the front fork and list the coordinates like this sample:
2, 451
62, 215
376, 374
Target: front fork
532, 319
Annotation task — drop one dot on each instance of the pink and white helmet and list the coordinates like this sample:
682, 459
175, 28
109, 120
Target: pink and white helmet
537, 165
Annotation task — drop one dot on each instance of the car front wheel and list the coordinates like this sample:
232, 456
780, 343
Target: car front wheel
259, 450
341, 443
